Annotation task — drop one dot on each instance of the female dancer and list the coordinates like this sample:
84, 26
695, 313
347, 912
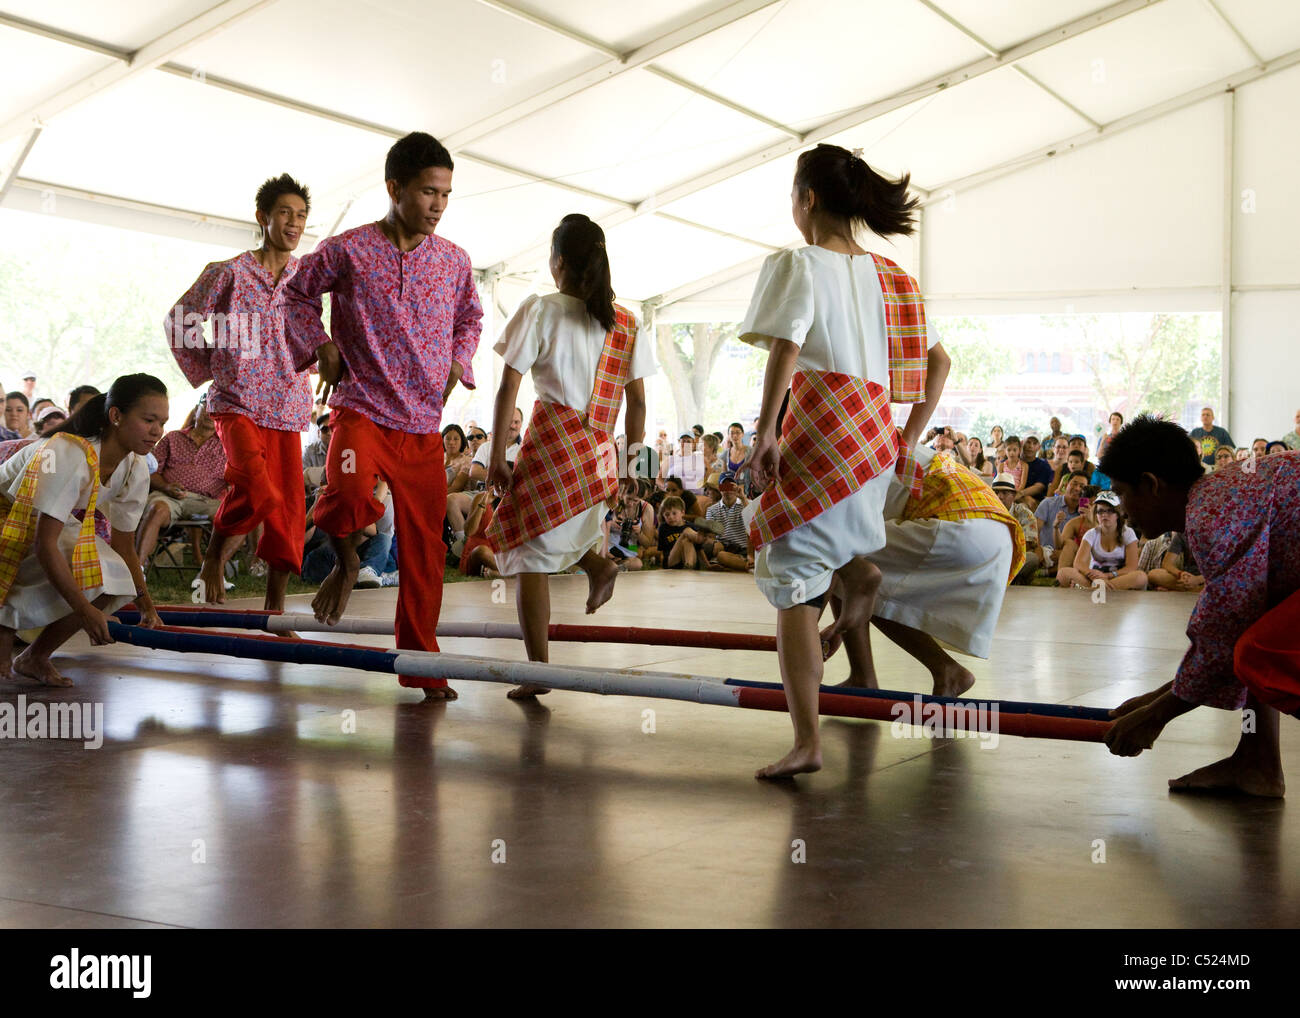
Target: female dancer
55, 571
584, 355
849, 326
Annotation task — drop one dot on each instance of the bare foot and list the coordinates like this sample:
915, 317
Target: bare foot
859, 581
527, 692
1134, 732
855, 681
212, 582
798, 761
952, 680
332, 599
600, 585
440, 693
30, 666
287, 634
1232, 777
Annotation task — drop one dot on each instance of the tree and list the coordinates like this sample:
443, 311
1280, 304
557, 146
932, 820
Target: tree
687, 354
1155, 363
979, 358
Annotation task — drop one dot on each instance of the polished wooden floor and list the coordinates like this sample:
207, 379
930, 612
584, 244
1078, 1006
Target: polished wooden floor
229, 794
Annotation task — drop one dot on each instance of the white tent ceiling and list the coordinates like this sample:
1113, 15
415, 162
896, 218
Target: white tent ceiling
674, 123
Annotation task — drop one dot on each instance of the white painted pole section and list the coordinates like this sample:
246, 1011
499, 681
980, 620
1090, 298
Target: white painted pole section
382, 627
662, 685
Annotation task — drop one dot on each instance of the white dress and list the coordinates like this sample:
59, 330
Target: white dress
946, 578
33, 601
832, 307
560, 343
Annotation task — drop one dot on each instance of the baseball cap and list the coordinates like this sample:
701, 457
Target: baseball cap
1004, 482
29, 374
1107, 498
48, 412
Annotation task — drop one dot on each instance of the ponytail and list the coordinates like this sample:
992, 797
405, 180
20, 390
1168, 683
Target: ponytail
581, 243
848, 188
91, 421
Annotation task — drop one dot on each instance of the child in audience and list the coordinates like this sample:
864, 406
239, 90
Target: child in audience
677, 541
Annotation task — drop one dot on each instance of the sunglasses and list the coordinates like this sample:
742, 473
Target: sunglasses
478, 436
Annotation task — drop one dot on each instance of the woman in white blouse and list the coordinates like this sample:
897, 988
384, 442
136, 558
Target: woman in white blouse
821, 309
46, 488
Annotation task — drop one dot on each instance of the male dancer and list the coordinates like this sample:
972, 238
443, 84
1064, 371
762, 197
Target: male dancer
405, 319
1243, 527
259, 402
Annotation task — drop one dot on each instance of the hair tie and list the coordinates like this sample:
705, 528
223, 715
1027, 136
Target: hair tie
857, 154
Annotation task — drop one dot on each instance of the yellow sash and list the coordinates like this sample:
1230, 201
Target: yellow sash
18, 532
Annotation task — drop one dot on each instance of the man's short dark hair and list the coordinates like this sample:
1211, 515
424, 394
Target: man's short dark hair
675, 480
1005, 441
79, 391
412, 155
18, 395
1149, 445
275, 188
1071, 476
1077, 452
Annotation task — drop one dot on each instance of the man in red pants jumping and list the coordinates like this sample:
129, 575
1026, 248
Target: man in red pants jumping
1242, 523
405, 318
259, 401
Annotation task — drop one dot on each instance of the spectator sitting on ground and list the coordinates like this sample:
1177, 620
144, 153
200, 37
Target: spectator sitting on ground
713, 462
475, 437
373, 552
677, 541
1075, 463
1276, 447
1243, 454
1055, 511
1005, 489
18, 415
1039, 476
673, 488
1177, 569
1055, 454
1292, 438
1017, 469
731, 550
317, 450
629, 527
1108, 552
1223, 456
1073, 531
710, 496
455, 451
477, 558
39, 405
48, 419
81, 394
189, 482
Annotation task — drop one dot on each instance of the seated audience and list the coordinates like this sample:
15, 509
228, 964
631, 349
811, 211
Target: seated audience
1223, 456
47, 419
731, 550
677, 541
629, 527
1292, 438
1040, 473
1055, 511
80, 395
189, 482
18, 416
1108, 552
1274, 448
1177, 569
455, 451
1005, 489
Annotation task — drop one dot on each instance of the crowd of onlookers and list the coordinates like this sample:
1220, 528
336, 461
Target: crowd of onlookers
1074, 525
688, 512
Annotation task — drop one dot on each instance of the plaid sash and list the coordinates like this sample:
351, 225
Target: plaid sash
910, 472
568, 462
18, 532
951, 491
837, 436
905, 326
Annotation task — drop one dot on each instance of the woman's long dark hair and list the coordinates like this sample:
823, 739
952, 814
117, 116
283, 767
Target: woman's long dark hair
91, 421
850, 189
581, 243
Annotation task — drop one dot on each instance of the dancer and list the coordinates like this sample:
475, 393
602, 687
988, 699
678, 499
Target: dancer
405, 321
853, 324
584, 355
1244, 529
259, 402
55, 571
951, 549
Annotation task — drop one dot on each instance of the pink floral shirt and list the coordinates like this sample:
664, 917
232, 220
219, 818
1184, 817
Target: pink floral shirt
398, 318
245, 353
197, 468
1244, 532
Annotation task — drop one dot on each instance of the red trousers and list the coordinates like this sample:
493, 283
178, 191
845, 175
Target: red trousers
1267, 657
361, 453
264, 470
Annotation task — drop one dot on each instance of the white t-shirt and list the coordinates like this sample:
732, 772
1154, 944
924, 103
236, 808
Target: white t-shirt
485, 453
830, 305
556, 339
65, 487
1108, 561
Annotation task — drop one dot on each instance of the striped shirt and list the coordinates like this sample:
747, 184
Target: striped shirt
732, 516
